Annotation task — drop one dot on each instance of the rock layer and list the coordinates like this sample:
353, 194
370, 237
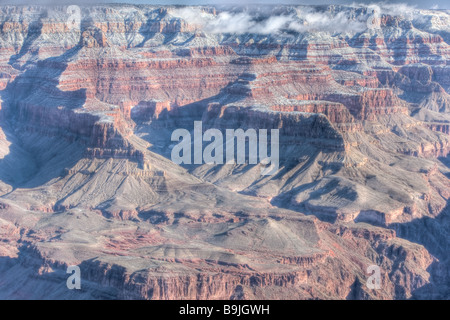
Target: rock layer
86, 177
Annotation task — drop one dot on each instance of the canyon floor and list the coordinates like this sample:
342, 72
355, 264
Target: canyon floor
86, 176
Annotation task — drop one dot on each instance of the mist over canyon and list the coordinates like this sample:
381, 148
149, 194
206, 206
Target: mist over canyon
359, 95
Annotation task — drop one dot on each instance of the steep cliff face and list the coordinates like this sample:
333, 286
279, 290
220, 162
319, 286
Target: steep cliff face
86, 117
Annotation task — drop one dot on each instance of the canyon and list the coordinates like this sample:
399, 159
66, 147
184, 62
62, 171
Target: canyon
86, 176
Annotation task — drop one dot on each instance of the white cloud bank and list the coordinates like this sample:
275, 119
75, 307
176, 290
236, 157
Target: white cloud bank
301, 19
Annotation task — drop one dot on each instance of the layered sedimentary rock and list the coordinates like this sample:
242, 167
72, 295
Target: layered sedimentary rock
86, 177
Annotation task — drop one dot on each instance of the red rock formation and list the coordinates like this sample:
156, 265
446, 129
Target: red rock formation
357, 114
146, 110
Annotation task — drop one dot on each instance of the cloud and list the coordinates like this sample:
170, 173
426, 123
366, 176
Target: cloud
393, 9
298, 19
313, 21
278, 19
301, 19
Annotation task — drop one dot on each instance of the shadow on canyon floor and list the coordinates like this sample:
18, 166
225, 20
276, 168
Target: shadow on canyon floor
34, 32
446, 162
24, 278
179, 117
36, 143
433, 234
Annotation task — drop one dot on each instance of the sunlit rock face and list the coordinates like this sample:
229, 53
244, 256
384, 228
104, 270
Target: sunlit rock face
360, 97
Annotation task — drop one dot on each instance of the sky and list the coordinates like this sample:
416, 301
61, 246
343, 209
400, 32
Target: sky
426, 4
